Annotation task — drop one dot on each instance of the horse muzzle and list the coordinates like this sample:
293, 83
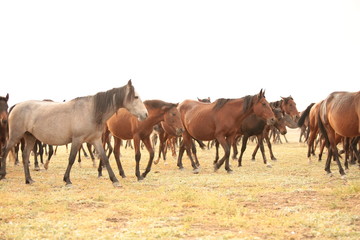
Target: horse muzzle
142, 117
179, 131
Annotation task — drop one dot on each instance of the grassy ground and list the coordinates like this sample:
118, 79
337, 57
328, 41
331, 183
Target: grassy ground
291, 200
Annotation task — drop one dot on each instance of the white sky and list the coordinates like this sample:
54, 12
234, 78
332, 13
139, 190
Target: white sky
176, 50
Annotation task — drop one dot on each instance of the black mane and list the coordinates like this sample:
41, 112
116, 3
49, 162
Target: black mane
219, 103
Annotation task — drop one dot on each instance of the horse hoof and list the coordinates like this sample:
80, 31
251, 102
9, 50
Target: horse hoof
196, 171
30, 181
268, 166
330, 174
274, 159
229, 171
116, 184
253, 159
69, 185
37, 169
344, 177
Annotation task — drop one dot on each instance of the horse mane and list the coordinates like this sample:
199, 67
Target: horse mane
111, 99
248, 102
219, 103
158, 104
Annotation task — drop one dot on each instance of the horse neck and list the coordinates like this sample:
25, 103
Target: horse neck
240, 114
154, 117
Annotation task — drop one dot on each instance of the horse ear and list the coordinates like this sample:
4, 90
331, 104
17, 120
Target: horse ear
129, 83
198, 99
261, 94
7, 97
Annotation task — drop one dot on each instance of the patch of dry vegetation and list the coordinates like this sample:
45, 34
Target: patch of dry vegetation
291, 200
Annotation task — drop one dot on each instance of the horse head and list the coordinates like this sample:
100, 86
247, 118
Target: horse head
133, 103
262, 108
4, 110
288, 106
280, 123
173, 119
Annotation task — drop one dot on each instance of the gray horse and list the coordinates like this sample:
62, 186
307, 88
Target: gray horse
77, 121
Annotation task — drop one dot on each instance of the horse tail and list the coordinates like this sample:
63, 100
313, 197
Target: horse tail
323, 131
304, 115
201, 144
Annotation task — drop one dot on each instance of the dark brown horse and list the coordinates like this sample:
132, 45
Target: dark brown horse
339, 116
255, 126
123, 125
3, 121
219, 120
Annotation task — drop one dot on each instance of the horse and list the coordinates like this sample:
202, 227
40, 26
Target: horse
125, 126
219, 120
339, 116
76, 121
254, 125
167, 136
288, 106
310, 114
3, 121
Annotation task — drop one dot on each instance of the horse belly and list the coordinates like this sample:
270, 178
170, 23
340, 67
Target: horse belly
345, 123
53, 134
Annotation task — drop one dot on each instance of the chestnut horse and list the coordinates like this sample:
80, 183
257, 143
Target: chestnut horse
3, 121
339, 116
219, 120
124, 125
77, 121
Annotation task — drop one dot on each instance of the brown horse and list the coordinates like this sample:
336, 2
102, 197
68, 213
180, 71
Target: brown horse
3, 121
339, 116
287, 105
123, 125
219, 120
311, 113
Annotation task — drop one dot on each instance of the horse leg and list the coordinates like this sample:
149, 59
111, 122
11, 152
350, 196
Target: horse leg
181, 153
262, 149
92, 157
51, 152
35, 151
222, 140
216, 152
322, 146
235, 150
117, 144
243, 148
270, 148
354, 148
150, 149
255, 151
103, 158
30, 141
193, 149
75, 148
162, 144
328, 162
137, 158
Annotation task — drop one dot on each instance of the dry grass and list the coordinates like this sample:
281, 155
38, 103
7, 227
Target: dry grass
291, 200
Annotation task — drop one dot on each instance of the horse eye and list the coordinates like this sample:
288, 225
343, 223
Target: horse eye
136, 97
